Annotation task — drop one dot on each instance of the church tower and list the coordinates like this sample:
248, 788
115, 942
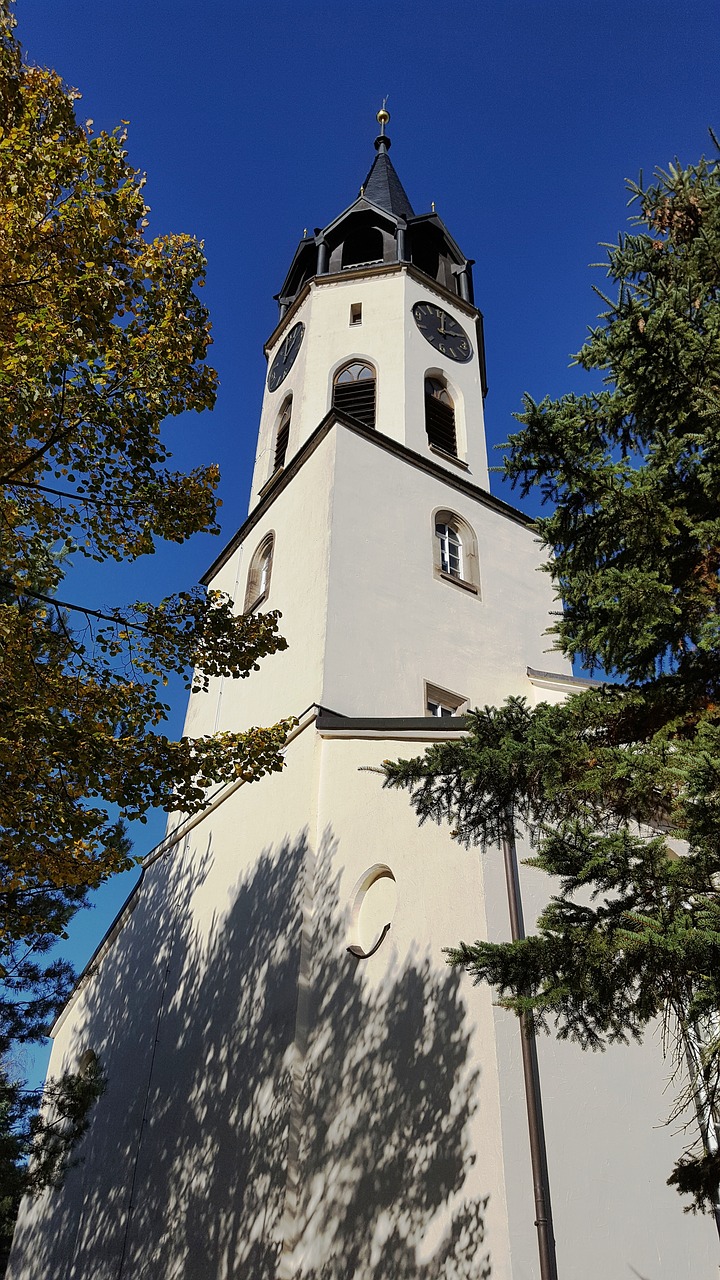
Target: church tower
298, 1086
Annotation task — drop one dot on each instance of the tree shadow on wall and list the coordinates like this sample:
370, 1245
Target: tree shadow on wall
388, 1091
249, 1134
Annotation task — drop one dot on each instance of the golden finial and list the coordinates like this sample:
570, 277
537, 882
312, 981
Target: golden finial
383, 115
382, 142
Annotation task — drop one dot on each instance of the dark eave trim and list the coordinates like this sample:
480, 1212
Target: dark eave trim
436, 725
437, 221
336, 418
362, 273
364, 205
308, 242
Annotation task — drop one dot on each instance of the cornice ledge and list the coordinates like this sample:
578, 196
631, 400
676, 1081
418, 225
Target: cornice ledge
360, 273
558, 681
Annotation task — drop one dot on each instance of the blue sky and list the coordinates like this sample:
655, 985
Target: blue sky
521, 119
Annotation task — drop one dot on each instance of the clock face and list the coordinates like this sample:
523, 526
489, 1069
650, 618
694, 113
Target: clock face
285, 357
442, 331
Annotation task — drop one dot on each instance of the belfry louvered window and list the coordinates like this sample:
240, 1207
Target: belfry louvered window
354, 392
440, 416
282, 434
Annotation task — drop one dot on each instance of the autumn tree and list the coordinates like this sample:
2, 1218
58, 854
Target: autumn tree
607, 784
102, 338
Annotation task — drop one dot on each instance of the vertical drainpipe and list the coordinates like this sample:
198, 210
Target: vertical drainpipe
531, 1075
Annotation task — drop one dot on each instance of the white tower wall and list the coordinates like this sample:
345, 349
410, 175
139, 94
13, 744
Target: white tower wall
389, 339
282, 1107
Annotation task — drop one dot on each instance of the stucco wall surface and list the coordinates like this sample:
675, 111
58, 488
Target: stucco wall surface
367, 619
401, 1170
280, 1109
191, 1010
393, 624
277, 1107
390, 340
290, 681
609, 1147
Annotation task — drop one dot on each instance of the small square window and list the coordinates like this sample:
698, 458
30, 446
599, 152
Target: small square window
442, 702
356, 313
437, 709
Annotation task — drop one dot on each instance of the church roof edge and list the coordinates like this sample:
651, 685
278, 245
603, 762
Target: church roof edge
335, 417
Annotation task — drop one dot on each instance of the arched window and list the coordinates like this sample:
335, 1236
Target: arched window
354, 392
455, 554
440, 416
258, 581
451, 549
282, 434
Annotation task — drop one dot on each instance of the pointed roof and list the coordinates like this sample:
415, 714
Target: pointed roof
382, 186
382, 204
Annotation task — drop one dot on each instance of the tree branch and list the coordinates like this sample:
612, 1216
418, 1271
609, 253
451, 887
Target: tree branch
55, 437
76, 608
75, 497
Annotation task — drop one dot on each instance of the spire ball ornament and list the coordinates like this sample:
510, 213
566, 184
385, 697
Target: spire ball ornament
382, 142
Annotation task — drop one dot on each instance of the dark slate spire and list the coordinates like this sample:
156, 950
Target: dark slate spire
382, 186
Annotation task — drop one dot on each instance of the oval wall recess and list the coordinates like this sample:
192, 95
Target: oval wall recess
373, 906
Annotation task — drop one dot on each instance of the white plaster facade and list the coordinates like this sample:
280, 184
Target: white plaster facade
387, 338
277, 1107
